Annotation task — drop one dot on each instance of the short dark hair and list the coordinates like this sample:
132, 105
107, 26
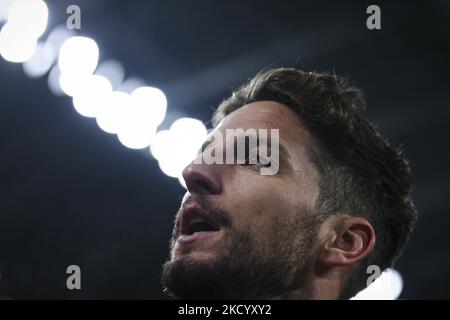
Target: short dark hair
361, 173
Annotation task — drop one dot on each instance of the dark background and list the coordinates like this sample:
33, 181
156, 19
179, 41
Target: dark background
71, 194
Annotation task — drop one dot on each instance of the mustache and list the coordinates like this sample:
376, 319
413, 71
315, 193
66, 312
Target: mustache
219, 215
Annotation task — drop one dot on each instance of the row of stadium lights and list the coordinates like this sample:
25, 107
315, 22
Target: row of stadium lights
126, 108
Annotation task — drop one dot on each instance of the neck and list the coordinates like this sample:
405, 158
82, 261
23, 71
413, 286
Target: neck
325, 286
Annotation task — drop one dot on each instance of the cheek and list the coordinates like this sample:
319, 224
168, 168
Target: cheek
260, 206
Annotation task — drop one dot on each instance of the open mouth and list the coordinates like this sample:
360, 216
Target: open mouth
193, 220
196, 224
200, 225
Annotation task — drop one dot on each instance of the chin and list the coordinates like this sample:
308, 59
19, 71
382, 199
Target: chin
190, 276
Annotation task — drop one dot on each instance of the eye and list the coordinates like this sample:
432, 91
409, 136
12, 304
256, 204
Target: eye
258, 160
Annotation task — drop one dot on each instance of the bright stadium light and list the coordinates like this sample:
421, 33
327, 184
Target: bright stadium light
78, 56
16, 45
54, 41
151, 103
92, 95
41, 61
111, 113
193, 130
161, 142
127, 108
176, 148
30, 15
136, 137
387, 286
173, 167
146, 110
70, 84
189, 135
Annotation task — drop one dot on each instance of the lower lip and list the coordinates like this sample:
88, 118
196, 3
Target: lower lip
198, 236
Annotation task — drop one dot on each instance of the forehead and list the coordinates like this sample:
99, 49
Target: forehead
270, 115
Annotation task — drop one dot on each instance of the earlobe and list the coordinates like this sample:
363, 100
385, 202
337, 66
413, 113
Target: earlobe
353, 240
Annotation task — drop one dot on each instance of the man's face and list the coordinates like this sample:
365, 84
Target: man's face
240, 234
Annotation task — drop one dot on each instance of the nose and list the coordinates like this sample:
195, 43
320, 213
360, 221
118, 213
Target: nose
203, 178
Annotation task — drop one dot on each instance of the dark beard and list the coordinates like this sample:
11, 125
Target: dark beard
245, 269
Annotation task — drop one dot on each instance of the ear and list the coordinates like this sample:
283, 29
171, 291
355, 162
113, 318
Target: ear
353, 239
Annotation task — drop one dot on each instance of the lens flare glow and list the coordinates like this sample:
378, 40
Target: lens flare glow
111, 113
41, 61
133, 111
16, 45
70, 84
388, 286
176, 148
136, 137
161, 142
150, 103
146, 110
78, 56
92, 95
31, 16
